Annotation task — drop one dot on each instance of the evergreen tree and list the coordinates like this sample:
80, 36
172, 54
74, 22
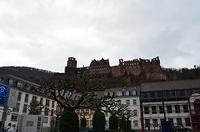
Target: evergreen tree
122, 124
83, 122
98, 121
113, 122
69, 121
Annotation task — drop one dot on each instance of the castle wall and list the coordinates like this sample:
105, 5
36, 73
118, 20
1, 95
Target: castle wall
150, 68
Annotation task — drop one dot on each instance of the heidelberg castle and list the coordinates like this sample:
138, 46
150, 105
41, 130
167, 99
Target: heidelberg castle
151, 69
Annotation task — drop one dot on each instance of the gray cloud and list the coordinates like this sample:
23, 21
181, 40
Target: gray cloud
44, 33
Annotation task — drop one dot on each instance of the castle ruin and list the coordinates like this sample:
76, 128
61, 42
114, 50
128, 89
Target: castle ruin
151, 69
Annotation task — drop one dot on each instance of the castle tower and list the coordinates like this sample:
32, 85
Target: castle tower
71, 68
72, 63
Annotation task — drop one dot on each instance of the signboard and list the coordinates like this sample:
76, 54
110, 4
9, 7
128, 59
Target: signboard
3, 94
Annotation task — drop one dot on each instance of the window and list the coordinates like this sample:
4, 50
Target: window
29, 123
39, 123
114, 94
135, 112
185, 108
135, 123
14, 117
177, 108
169, 109
34, 98
47, 102
171, 120
179, 121
46, 111
146, 110
130, 93
19, 84
53, 104
19, 96
41, 101
147, 123
26, 98
52, 112
153, 109
134, 102
11, 82
17, 107
25, 108
155, 123
187, 122
123, 93
152, 94
128, 102
161, 109
45, 120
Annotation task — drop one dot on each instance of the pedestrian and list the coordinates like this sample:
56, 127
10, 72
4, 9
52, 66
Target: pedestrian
8, 127
13, 128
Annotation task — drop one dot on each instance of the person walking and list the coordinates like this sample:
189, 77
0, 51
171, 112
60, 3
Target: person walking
8, 127
13, 128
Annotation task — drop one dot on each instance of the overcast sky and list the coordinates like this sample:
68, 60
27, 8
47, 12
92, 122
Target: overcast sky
44, 33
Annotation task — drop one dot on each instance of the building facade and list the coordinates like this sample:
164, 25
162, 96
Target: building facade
130, 97
167, 101
21, 94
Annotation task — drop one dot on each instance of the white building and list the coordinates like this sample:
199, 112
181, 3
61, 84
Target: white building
171, 97
176, 111
130, 97
21, 93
